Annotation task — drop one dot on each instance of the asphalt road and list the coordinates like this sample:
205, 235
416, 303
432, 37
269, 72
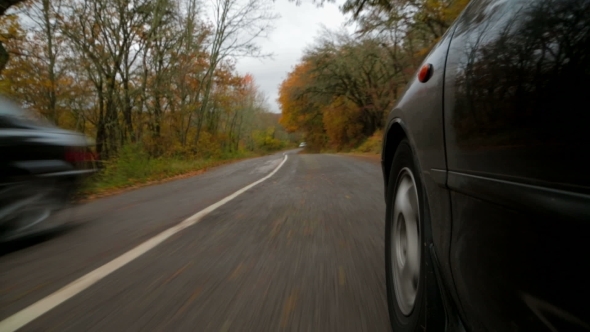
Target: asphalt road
300, 251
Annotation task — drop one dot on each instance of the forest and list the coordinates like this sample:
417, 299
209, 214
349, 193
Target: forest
342, 89
152, 82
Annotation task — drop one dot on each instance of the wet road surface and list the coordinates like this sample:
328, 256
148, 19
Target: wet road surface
300, 251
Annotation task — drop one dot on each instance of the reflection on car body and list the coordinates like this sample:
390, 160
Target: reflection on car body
40, 168
497, 138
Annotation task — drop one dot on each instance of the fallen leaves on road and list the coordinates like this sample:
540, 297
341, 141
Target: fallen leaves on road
288, 308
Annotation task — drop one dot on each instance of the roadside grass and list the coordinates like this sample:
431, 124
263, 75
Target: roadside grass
134, 168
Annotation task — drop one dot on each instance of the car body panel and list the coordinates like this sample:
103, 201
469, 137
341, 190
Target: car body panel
518, 271
516, 92
419, 114
515, 117
40, 168
37, 150
30, 146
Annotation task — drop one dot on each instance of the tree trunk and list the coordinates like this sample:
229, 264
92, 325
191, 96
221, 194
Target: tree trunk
51, 56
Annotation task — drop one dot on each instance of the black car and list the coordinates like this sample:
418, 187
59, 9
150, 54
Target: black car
40, 168
487, 171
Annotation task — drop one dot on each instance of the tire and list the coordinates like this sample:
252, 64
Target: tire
411, 285
28, 205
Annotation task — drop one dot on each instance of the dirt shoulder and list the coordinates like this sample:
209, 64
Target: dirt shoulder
371, 157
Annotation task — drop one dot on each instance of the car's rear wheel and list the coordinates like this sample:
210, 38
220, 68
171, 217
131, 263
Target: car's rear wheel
406, 252
27, 204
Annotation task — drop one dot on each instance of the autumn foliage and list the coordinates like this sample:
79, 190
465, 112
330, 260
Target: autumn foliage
156, 75
340, 92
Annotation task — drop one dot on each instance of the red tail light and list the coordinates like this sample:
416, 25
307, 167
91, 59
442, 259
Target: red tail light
78, 155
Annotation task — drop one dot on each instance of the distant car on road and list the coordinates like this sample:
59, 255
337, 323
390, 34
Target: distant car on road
302, 145
486, 163
40, 168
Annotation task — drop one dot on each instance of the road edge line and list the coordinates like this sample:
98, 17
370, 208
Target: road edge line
37, 309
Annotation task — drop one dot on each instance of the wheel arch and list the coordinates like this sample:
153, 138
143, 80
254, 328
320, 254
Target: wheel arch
393, 137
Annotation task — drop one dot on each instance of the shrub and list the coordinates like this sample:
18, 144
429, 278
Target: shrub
373, 144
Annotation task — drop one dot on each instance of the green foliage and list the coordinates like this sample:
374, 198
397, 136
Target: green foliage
134, 166
265, 140
132, 163
372, 144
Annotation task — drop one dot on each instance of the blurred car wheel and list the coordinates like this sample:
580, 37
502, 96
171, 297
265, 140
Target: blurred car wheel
29, 203
405, 249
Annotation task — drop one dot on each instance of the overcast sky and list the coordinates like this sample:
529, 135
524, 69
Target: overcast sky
295, 30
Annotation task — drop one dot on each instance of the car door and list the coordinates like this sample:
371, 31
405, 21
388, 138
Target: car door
515, 115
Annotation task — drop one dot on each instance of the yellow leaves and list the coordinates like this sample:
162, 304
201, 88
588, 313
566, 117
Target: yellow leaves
341, 91
421, 53
209, 146
97, 73
10, 29
341, 121
265, 139
295, 105
5, 86
442, 11
338, 120
455, 8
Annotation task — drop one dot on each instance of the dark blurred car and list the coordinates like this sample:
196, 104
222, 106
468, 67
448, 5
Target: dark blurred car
40, 168
487, 173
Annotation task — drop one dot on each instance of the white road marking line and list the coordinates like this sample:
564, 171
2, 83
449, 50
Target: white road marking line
42, 306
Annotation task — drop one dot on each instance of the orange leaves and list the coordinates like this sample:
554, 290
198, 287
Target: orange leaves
296, 107
125, 74
11, 33
248, 79
345, 85
342, 123
336, 123
10, 28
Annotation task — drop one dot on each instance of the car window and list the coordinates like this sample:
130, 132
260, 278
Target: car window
513, 66
10, 109
7, 108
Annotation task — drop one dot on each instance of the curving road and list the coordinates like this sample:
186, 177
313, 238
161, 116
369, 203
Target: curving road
300, 251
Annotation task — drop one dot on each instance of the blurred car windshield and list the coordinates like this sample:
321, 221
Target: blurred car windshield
10, 109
